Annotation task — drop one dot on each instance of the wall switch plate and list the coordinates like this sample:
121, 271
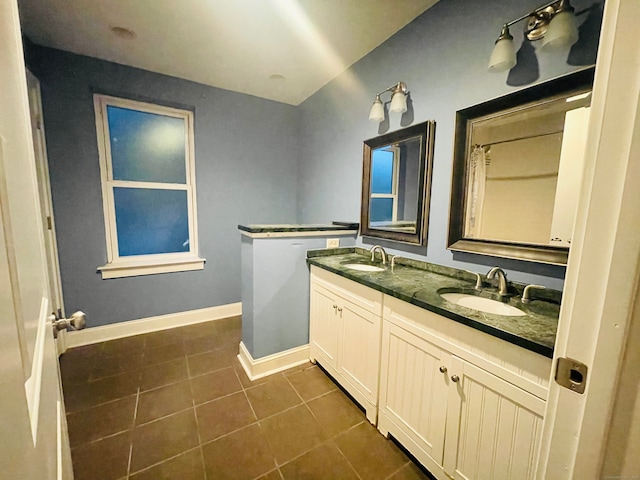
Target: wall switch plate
333, 242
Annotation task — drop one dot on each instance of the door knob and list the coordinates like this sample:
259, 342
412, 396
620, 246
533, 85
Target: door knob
77, 321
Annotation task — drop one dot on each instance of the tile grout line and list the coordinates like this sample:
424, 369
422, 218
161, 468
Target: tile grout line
328, 441
173, 457
244, 391
131, 435
135, 411
195, 414
331, 438
194, 405
388, 477
257, 422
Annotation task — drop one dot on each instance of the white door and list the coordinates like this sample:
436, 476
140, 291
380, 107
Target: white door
44, 191
604, 264
32, 445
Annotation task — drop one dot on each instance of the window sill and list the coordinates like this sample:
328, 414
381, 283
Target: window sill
150, 267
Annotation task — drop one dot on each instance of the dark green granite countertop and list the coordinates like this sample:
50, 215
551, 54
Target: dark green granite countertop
419, 282
286, 227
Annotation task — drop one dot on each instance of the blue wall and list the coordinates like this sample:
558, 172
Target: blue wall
259, 161
275, 291
246, 164
442, 56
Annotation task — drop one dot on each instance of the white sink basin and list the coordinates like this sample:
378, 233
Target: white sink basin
363, 267
482, 304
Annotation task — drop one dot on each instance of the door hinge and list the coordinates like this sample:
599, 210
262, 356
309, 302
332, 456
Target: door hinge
49, 223
571, 374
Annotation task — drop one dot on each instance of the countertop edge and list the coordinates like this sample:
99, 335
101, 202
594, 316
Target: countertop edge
488, 329
292, 228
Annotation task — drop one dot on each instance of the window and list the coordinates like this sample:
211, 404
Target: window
384, 186
148, 187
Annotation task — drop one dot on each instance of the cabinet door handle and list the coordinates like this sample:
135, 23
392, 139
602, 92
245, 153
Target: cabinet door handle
443, 369
455, 378
335, 306
340, 309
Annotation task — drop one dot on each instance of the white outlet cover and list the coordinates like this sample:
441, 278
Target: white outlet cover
333, 242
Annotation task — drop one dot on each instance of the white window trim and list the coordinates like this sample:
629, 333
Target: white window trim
394, 185
129, 266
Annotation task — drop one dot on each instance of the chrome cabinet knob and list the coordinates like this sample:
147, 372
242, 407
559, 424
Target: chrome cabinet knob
455, 378
443, 369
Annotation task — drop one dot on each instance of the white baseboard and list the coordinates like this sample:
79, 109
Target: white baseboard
271, 364
150, 324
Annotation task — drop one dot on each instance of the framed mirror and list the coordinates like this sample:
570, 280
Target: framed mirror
396, 183
517, 169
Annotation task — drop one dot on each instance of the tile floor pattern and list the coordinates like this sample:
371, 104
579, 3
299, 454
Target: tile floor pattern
176, 404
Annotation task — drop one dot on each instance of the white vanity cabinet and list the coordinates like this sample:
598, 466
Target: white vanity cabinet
466, 404
344, 335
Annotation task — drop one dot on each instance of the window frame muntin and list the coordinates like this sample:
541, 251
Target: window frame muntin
121, 266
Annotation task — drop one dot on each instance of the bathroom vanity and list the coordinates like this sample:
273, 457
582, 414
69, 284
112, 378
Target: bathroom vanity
464, 391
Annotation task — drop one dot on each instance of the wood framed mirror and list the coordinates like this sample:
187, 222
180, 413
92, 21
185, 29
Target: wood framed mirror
517, 169
396, 184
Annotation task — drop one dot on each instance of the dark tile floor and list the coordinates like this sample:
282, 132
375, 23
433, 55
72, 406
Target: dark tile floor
176, 404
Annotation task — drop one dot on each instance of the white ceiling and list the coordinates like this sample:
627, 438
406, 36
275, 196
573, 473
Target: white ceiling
283, 50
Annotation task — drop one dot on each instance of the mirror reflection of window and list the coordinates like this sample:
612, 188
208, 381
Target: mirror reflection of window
394, 185
396, 182
384, 186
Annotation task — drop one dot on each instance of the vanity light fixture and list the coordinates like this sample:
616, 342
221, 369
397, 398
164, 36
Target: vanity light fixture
554, 23
398, 102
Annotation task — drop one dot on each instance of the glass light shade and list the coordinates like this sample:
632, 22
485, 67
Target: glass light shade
376, 114
562, 32
398, 102
503, 56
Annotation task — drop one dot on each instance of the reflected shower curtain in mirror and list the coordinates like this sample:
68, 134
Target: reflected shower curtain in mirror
475, 193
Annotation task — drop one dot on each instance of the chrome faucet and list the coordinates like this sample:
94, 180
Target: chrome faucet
382, 252
502, 279
526, 296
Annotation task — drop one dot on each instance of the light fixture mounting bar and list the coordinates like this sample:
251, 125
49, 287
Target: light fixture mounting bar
401, 86
534, 12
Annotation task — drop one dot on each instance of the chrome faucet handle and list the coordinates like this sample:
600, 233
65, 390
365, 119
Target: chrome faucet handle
392, 260
526, 296
478, 285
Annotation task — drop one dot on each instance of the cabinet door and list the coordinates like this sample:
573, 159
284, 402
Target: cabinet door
413, 393
324, 325
359, 358
493, 427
